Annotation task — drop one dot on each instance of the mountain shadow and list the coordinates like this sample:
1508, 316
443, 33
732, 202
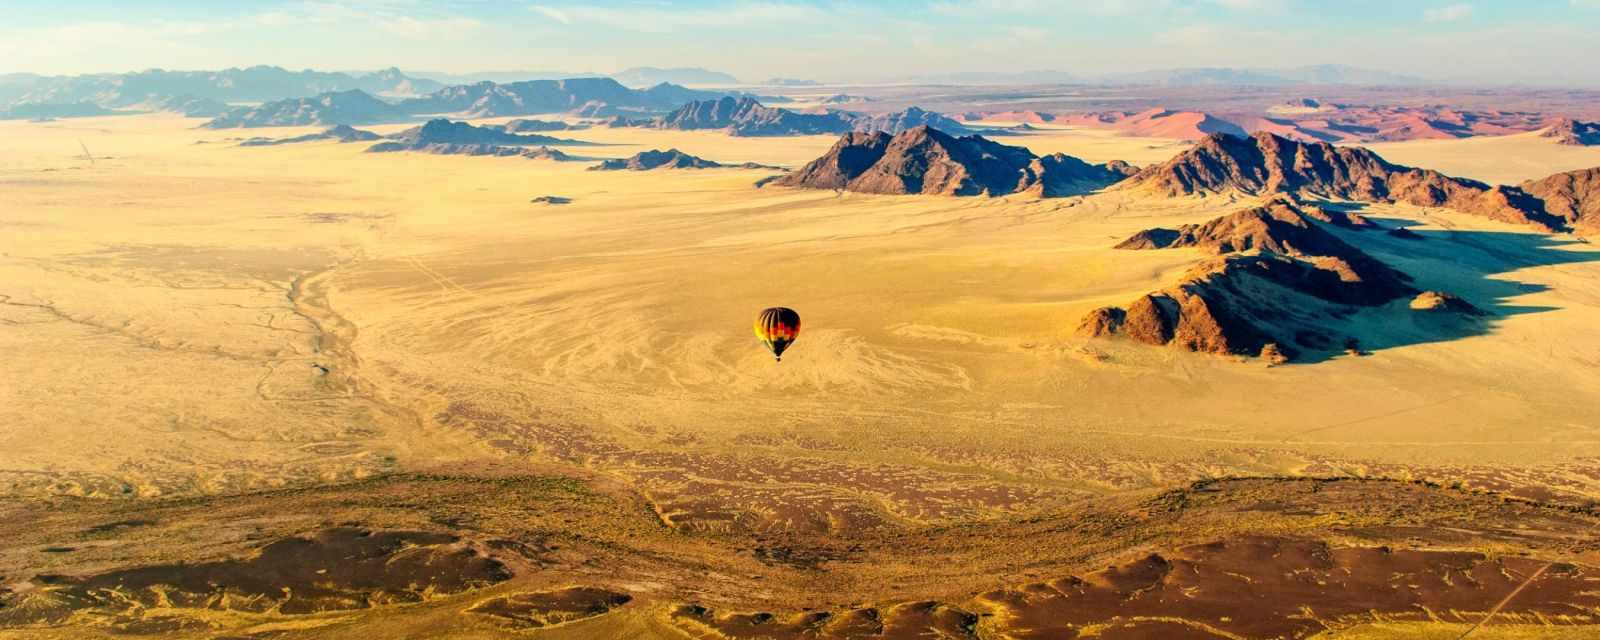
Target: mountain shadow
1292, 281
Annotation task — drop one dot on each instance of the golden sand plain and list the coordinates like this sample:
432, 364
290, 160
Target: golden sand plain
156, 348
186, 318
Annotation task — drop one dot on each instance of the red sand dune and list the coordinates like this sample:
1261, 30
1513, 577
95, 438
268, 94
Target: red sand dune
1158, 123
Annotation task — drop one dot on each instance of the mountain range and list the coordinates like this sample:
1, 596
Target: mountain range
481, 100
1263, 164
748, 117
251, 84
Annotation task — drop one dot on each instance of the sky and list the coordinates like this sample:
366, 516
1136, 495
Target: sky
1475, 41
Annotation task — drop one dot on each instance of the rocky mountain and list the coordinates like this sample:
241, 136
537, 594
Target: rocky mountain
341, 133
650, 76
345, 107
252, 84
1280, 283
489, 99
928, 161
748, 117
46, 111
1572, 132
1263, 163
656, 159
1573, 196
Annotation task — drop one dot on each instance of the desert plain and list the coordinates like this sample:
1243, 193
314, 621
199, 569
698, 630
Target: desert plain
483, 416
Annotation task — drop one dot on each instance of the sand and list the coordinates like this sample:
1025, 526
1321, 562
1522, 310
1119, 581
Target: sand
185, 319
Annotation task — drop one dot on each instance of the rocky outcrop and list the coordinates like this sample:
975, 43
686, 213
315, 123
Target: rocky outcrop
1279, 277
1264, 163
927, 161
529, 125
340, 133
345, 107
440, 130
1573, 196
1572, 132
844, 98
1439, 301
444, 137
656, 159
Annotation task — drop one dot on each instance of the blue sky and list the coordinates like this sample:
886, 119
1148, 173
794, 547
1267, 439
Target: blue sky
1529, 41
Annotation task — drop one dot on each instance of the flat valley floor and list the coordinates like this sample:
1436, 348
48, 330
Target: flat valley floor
307, 392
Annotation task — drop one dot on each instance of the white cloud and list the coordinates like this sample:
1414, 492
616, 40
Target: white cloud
666, 19
429, 29
1042, 8
1449, 13
1257, 6
552, 13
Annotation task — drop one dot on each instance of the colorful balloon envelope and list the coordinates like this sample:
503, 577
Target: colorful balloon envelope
777, 328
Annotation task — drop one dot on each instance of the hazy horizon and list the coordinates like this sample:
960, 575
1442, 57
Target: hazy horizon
1535, 43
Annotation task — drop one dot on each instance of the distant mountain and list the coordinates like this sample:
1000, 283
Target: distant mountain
1317, 74
1572, 132
1264, 164
187, 105
341, 133
651, 76
748, 117
910, 118
252, 84
844, 98
43, 110
790, 82
488, 99
926, 161
344, 107
998, 77
502, 77
391, 82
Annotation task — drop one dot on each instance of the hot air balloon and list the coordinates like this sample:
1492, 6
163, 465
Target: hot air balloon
777, 328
